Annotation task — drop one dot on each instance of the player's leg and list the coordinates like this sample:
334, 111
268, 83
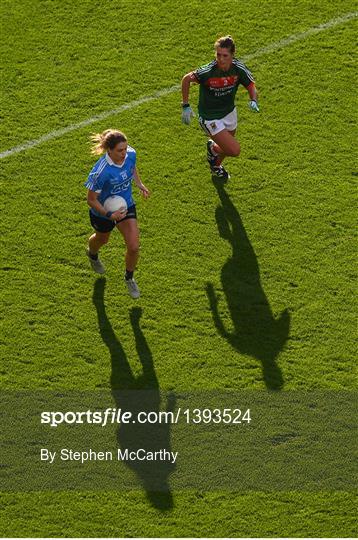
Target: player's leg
218, 149
222, 142
102, 230
97, 240
221, 145
225, 139
130, 232
225, 144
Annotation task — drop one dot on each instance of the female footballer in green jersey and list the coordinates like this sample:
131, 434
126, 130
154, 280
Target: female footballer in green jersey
219, 81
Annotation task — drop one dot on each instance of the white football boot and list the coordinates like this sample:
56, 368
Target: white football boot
132, 288
97, 266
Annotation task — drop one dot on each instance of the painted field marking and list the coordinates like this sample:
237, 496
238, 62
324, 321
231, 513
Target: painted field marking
165, 91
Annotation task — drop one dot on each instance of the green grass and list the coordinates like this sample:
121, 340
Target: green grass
289, 206
194, 514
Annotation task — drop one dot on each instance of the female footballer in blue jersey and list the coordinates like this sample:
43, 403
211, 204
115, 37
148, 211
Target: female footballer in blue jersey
112, 175
219, 81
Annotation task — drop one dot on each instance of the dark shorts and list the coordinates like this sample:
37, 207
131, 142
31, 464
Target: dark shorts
104, 225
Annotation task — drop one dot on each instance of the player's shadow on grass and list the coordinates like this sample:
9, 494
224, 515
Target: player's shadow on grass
256, 332
135, 394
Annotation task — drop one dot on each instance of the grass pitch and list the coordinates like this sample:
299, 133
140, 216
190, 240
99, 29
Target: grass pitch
245, 286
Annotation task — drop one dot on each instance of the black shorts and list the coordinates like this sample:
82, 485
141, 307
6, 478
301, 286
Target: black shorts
104, 225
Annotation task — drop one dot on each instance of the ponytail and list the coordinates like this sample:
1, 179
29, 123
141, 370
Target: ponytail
107, 140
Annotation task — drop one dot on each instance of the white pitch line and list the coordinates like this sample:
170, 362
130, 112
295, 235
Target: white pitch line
303, 35
165, 91
59, 132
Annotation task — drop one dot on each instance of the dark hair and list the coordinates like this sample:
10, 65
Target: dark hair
225, 42
106, 140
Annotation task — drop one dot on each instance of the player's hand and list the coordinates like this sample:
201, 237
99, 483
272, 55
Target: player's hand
118, 215
144, 191
254, 106
187, 114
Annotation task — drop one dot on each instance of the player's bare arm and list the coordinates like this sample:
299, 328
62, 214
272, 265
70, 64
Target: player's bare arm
187, 80
253, 97
144, 191
187, 112
93, 202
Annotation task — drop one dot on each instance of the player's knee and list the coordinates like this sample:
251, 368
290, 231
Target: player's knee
133, 248
235, 150
232, 150
103, 239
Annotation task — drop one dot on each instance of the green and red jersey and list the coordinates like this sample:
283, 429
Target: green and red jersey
218, 88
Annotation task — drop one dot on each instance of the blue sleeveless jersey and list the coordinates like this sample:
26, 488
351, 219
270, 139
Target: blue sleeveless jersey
107, 178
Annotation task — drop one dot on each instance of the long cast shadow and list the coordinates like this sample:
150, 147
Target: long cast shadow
256, 332
136, 394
